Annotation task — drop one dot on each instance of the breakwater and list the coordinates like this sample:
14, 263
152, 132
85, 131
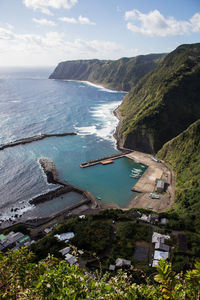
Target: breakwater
90, 163
50, 170
34, 139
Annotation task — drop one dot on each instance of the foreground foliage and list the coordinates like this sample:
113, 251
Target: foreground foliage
51, 278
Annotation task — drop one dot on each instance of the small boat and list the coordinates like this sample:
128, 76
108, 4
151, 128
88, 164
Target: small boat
136, 170
98, 198
135, 175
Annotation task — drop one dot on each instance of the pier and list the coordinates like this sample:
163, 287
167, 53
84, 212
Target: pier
104, 160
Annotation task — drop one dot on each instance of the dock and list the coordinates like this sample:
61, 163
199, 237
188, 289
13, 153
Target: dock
104, 160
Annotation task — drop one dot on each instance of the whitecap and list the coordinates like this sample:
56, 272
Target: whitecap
105, 122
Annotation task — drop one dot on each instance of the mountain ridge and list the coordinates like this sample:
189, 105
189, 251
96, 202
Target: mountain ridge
121, 74
164, 102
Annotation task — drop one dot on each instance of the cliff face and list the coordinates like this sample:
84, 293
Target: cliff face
164, 102
183, 155
120, 74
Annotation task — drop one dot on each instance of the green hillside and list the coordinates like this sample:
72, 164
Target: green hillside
164, 102
119, 74
183, 155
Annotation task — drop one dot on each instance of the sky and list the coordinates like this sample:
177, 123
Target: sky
46, 32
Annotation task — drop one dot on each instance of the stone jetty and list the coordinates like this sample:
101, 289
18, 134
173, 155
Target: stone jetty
34, 139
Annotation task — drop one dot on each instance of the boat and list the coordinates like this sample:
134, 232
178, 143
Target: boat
135, 175
98, 198
136, 171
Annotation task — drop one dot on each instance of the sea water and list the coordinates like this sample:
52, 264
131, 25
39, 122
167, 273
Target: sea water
31, 104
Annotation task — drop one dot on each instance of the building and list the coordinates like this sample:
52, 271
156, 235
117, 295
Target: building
145, 218
64, 251
120, 262
161, 246
158, 255
70, 259
158, 236
13, 240
160, 185
64, 236
112, 268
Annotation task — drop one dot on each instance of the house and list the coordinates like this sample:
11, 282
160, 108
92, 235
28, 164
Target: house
158, 255
112, 268
64, 236
158, 236
64, 251
47, 230
155, 263
161, 246
120, 262
70, 259
144, 218
160, 185
13, 240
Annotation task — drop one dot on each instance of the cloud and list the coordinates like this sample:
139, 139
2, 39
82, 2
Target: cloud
6, 34
80, 20
68, 20
84, 20
45, 5
52, 47
44, 22
155, 24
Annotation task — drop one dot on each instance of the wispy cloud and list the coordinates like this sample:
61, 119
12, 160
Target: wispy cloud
155, 24
44, 22
86, 21
52, 47
45, 5
80, 20
68, 20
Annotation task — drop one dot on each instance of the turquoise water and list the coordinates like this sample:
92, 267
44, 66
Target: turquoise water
31, 104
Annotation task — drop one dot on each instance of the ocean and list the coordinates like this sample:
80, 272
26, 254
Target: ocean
32, 104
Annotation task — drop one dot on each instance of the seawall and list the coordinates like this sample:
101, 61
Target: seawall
34, 139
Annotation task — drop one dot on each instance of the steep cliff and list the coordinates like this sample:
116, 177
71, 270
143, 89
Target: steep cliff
183, 155
164, 102
120, 74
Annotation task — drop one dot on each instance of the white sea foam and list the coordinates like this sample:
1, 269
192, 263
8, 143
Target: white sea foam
7, 214
100, 87
105, 122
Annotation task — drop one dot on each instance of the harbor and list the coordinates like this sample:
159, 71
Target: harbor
146, 186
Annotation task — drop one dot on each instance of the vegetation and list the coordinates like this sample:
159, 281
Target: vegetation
91, 235
164, 102
126, 236
183, 155
121, 74
21, 278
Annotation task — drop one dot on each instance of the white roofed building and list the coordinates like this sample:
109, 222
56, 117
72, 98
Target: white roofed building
120, 262
64, 236
158, 255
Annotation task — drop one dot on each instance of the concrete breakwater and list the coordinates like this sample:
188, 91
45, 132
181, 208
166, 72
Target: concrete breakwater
34, 139
51, 171
99, 160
